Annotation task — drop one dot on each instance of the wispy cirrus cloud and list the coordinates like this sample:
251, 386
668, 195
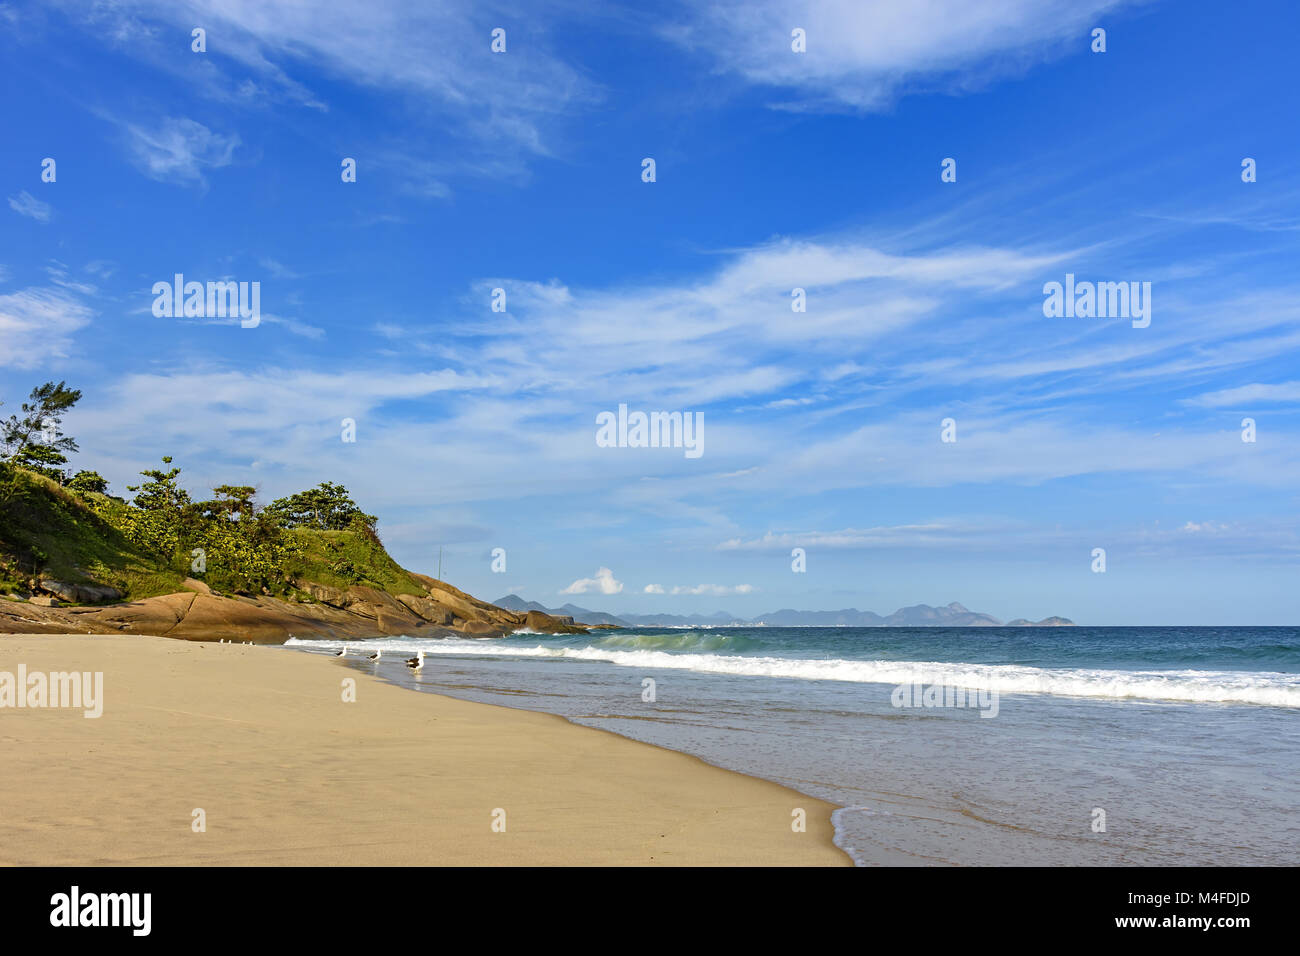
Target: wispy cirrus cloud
177, 149
38, 324
1202, 538
431, 62
25, 204
848, 394
863, 56
936, 534
1283, 393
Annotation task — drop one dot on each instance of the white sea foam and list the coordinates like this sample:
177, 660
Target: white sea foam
1193, 686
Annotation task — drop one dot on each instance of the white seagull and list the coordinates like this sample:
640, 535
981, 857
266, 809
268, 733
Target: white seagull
416, 662
375, 656
342, 650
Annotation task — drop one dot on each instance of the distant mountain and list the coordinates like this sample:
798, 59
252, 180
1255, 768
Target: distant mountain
588, 616
952, 615
513, 602
918, 615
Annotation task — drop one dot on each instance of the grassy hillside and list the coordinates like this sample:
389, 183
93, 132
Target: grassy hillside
340, 559
47, 531
90, 538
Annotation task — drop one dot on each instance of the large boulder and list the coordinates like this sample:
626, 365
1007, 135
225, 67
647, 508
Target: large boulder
549, 624
334, 597
426, 608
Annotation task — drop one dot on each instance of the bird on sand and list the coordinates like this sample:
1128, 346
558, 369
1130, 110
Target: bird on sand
342, 651
416, 662
375, 656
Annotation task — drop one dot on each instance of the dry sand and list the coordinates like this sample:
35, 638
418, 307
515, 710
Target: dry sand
287, 773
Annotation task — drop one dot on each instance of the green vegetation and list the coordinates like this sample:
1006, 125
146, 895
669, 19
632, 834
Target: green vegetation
47, 531
326, 507
68, 528
341, 559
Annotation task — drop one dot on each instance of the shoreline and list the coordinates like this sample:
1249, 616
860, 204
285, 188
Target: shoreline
287, 773
915, 785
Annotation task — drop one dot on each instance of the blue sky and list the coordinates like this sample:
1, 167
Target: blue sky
775, 170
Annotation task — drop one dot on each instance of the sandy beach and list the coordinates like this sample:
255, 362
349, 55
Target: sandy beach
286, 772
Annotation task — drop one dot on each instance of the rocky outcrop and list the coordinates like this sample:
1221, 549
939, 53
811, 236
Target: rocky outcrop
549, 624
427, 608
79, 593
481, 619
194, 616
465, 606
357, 612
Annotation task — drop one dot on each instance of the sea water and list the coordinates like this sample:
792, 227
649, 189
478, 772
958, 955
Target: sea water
1107, 745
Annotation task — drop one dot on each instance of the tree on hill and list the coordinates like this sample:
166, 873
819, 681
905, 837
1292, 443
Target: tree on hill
327, 507
231, 502
35, 439
161, 492
87, 481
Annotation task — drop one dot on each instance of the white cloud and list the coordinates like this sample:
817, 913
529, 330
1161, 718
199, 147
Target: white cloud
37, 324
511, 399
653, 589
1254, 394
178, 150
25, 204
863, 56
603, 583
989, 535
525, 386
713, 590
936, 533
60, 276
432, 60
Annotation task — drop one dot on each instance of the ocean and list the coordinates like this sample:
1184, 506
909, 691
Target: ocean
942, 746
